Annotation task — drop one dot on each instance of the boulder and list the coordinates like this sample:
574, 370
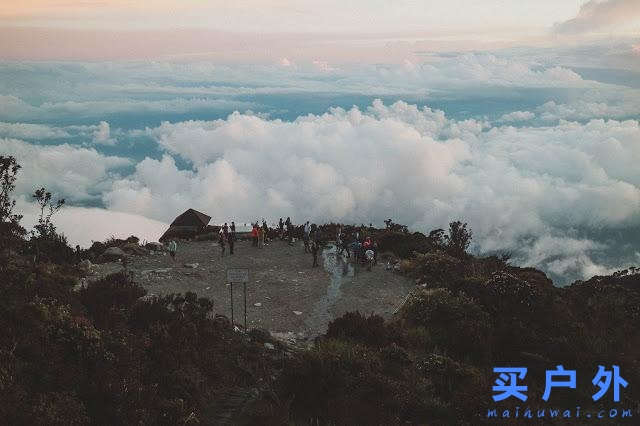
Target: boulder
134, 249
155, 246
112, 254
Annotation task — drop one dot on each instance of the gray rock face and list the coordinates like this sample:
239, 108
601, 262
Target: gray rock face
113, 253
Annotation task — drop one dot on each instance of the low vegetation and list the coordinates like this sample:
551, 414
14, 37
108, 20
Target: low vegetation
106, 353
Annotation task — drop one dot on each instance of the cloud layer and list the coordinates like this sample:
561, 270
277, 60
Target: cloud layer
544, 193
540, 159
598, 14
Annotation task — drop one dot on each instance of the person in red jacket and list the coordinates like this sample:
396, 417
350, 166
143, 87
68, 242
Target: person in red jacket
254, 234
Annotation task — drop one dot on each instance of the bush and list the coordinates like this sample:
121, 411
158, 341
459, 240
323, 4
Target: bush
456, 324
355, 327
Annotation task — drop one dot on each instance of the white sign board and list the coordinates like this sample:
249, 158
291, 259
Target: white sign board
240, 275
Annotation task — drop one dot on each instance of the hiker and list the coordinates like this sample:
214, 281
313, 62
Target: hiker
281, 228
260, 237
173, 247
289, 230
254, 234
367, 244
314, 232
265, 229
305, 237
232, 237
369, 255
375, 252
314, 251
222, 241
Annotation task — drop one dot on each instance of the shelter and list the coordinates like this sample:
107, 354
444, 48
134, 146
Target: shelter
187, 225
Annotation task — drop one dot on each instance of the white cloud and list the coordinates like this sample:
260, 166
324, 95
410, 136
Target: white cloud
598, 14
75, 173
527, 190
31, 131
102, 135
83, 225
517, 116
626, 105
17, 109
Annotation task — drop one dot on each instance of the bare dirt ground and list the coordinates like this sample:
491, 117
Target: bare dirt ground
293, 299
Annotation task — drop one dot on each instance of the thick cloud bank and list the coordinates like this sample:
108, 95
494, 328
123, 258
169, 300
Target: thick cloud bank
563, 197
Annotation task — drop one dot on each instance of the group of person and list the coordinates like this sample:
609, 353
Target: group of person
259, 234
227, 236
364, 250
285, 230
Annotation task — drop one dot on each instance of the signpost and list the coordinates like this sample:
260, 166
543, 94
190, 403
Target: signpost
238, 275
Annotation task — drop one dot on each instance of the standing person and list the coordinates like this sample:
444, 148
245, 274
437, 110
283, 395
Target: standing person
222, 241
314, 232
281, 228
369, 256
375, 252
305, 237
289, 230
314, 251
265, 229
232, 237
254, 234
173, 247
260, 238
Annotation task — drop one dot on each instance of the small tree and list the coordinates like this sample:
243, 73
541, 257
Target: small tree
437, 239
10, 229
45, 228
45, 243
459, 239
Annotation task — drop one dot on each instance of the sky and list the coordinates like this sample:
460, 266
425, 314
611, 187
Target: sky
520, 118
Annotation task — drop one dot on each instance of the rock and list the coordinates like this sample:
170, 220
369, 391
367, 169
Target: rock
191, 265
269, 346
112, 254
155, 246
135, 249
257, 304
162, 270
297, 312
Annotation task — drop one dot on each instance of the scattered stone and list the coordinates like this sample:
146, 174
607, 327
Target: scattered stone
257, 304
191, 265
297, 312
269, 346
162, 270
207, 288
155, 246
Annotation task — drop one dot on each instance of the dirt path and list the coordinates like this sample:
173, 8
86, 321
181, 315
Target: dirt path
281, 282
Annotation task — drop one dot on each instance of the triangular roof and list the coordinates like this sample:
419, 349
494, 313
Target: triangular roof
191, 217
